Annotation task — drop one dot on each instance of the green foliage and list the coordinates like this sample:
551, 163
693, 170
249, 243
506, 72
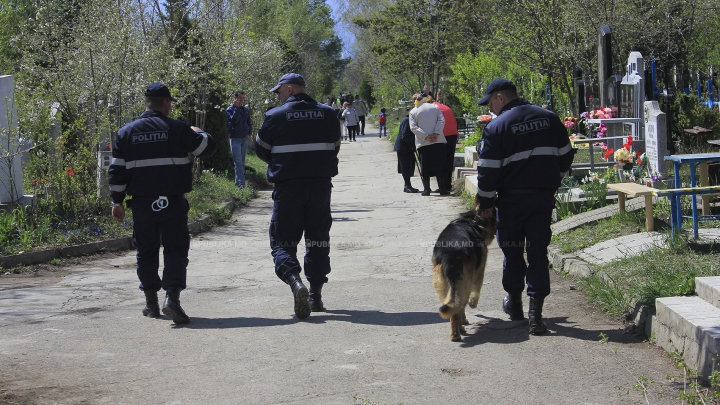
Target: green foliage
474, 138
366, 93
472, 72
687, 113
305, 32
414, 41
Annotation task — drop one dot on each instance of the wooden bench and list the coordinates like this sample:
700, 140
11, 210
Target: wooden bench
676, 216
634, 189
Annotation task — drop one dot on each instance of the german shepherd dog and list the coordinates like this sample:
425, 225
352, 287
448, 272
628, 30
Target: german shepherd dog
459, 259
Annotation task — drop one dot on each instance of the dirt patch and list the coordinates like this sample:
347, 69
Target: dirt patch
9, 398
48, 273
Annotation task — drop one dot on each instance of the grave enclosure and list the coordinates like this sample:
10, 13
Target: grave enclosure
634, 113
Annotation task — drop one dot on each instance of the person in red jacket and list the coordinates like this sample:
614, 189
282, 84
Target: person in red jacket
450, 130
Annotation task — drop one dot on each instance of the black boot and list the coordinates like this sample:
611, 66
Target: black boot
300, 293
315, 300
537, 326
172, 307
426, 186
152, 307
442, 186
512, 305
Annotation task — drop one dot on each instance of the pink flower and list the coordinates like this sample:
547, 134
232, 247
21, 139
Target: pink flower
607, 110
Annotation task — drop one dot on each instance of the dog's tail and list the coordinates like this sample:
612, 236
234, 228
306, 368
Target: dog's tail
452, 269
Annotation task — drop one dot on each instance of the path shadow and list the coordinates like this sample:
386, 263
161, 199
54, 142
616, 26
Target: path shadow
376, 317
561, 326
504, 331
231, 323
344, 219
337, 211
495, 330
359, 317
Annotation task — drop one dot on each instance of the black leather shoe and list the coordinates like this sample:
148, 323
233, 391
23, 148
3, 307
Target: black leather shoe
300, 293
537, 326
444, 192
152, 306
410, 190
172, 307
512, 305
315, 300
425, 193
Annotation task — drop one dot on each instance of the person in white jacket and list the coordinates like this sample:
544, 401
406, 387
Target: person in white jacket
427, 122
351, 121
361, 110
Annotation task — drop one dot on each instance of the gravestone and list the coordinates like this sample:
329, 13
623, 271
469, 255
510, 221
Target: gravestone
604, 61
632, 97
11, 182
656, 139
579, 90
592, 97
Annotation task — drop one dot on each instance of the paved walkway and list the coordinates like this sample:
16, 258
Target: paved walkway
83, 340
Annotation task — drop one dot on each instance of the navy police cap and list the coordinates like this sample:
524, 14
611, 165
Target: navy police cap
495, 86
289, 78
157, 89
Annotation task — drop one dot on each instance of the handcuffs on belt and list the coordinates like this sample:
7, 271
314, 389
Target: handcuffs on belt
161, 203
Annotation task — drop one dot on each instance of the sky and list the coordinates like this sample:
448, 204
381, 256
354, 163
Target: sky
340, 28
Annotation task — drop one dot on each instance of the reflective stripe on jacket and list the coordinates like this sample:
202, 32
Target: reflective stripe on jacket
299, 139
150, 157
525, 147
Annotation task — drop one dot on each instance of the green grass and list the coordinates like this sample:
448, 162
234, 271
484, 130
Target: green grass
587, 235
23, 230
583, 155
660, 272
210, 191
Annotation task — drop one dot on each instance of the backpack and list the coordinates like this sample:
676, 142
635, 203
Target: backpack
382, 118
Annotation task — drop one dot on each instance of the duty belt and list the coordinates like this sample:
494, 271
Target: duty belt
159, 203
511, 191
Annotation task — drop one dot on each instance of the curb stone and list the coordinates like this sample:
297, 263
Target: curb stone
642, 316
568, 264
124, 243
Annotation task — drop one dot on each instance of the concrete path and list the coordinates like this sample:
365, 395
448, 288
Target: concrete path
84, 340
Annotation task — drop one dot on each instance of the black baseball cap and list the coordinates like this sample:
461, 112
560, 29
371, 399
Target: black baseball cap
495, 86
289, 78
158, 89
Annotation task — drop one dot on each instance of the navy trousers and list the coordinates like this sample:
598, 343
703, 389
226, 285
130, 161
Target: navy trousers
169, 227
524, 227
302, 206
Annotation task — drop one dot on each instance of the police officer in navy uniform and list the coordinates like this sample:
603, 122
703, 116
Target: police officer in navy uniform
151, 163
300, 141
525, 153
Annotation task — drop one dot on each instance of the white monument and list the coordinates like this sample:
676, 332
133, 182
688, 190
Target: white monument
11, 182
632, 97
656, 139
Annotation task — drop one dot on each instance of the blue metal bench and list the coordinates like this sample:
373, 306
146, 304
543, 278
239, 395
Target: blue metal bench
676, 216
